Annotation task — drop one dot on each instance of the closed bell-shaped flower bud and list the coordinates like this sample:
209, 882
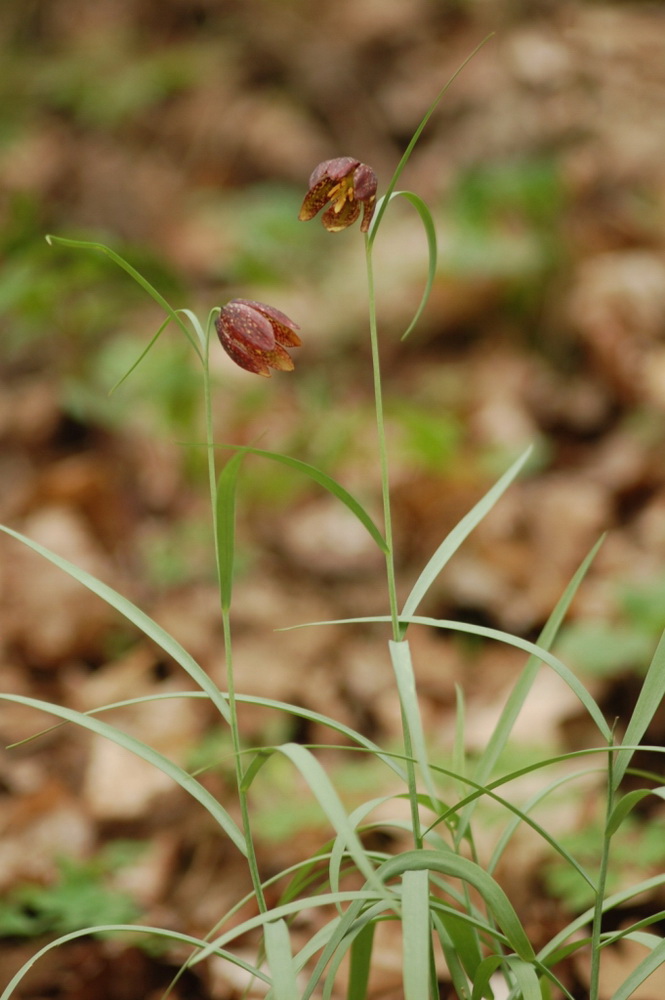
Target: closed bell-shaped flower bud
254, 335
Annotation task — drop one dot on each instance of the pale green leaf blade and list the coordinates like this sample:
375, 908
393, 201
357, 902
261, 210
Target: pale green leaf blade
145, 752
327, 482
416, 934
226, 526
128, 610
648, 702
459, 533
280, 961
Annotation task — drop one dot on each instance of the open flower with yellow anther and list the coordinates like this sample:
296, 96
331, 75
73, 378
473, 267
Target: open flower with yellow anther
254, 336
348, 184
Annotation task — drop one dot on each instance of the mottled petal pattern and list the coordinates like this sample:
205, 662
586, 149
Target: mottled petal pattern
254, 336
347, 184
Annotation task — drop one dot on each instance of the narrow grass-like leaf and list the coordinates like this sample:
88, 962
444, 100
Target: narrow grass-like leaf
641, 972
463, 935
133, 273
134, 615
648, 703
451, 956
325, 794
158, 932
458, 867
617, 899
520, 691
628, 803
526, 979
484, 973
400, 656
141, 356
490, 633
147, 753
416, 934
430, 232
280, 961
361, 963
226, 527
378, 215
323, 479
459, 533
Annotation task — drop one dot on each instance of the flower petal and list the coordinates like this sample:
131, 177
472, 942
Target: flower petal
336, 221
247, 325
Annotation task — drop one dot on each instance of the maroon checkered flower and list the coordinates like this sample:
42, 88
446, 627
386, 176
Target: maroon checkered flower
347, 183
254, 336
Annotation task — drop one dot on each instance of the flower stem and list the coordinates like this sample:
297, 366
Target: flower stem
388, 534
228, 647
383, 450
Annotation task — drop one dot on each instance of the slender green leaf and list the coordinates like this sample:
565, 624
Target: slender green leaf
484, 973
526, 978
400, 656
133, 273
134, 615
490, 633
280, 961
430, 232
458, 867
416, 934
158, 932
627, 803
361, 963
520, 691
647, 966
648, 703
141, 356
378, 215
323, 479
226, 527
459, 533
147, 753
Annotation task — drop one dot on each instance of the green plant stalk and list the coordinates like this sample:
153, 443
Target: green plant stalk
228, 645
388, 531
596, 926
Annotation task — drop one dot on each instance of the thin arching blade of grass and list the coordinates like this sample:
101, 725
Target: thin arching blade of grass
147, 753
138, 929
648, 703
553, 947
133, 273
526, 979
544, 655
432, 250
280, 961
484, 973
518, 695
458, 867
361, 963
452, 958
134, 615
459, 533
414, 139
416, 934
225, 514
647, 966
328, 483
400, 656
463, 936
325, 794
627, 804
141, 356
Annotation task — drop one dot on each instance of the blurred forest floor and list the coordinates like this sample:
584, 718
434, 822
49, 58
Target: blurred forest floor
182, 133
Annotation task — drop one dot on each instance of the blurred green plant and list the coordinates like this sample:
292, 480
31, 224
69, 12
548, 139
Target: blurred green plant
77, 898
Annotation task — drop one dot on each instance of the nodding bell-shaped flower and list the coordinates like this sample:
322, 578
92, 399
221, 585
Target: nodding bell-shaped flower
348, 184
254, 336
